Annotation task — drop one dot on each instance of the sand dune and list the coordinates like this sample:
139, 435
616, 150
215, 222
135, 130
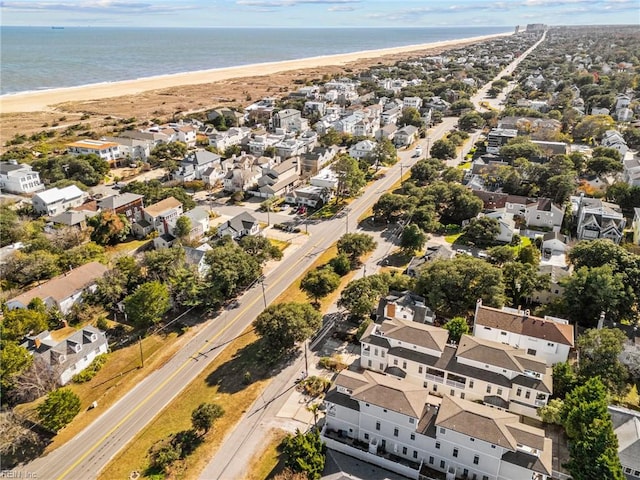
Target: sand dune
46, 99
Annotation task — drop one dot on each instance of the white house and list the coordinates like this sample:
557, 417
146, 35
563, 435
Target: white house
405, 136
239, 226
199, 219
631, 171
412, 102
310, 196
63, 291
57, 200
233, 136
362, 149
326, 178
597, 219
132, 149
195, 164
405, 306
626, 426
71, 355
613, 139
506, 223
196, 257
548, 338
160, 217
109, 151
19, 178
397, 425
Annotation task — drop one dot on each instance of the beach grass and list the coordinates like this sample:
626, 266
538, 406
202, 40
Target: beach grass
268, 462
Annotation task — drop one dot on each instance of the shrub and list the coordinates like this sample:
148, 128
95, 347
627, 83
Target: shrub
91, 371
333, 363
314, 385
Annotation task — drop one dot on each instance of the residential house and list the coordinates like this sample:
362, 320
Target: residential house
548, 338
154, 138
362, 149
109, 151
405, 306
636, 225
289, 120
403, 428
622, 101
387, 132
481, 370
309, 196
63, 291
631, 171
498, 137
412, 102
554, 244
239, 226
506, 223
128, 204
199, 219
259, 143
534, 212
326, 178
276, 180
597, 219
405, 136
626, 426
314, 107
312, 162
390, 114
19, 178
74, 218
57, 200
624, 115
231, 117
433, 252
614, 139
195, 164
552, 148
234, 136
160, 217
196, 257
556, 272
290, 147
438, 104
241, 178
132, 149
70, 356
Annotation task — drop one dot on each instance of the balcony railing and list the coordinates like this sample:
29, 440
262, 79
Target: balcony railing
453, 383
434, 378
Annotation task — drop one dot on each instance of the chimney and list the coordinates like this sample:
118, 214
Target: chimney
601, 321
38, 343
391, 310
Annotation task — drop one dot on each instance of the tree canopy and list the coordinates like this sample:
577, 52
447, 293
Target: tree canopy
305, 453
58, 409
599, 352
147, 304
284, 324
361, 296
320, 282
354, 245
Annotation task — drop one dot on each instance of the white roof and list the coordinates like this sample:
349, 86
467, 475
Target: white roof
56, 194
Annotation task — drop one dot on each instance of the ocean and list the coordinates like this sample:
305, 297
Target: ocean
39, 58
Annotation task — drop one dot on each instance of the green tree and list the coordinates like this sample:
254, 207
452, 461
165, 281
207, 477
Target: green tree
471, 121
284, 324
166, 152
14, 359
599, 351
340, 264
453, 286
520, 147
443, 149
305, 453
564, 379
58, 409
426, 170
354, 245
552, 411
260, 247
454, 202
147, 304
457, 327
361, 296
603, 165
390, 207
592, 128
521, 280
384, 153
185, 286
109, 228
410, 116
482, 231
183, 227
501, 254
350, 178
319, 283
529, 254
332, 137
162, 264
205, 415
591, 291
23, 268
412, 239
19, 322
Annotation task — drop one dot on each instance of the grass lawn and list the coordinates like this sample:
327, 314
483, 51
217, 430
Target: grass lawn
464, 166
125, 247
119, 375
452, 238
280, 244
632, 398
267, 463
220, 383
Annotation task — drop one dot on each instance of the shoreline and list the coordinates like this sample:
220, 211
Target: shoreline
42, 100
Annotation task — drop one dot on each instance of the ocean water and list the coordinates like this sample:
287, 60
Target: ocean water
38, 58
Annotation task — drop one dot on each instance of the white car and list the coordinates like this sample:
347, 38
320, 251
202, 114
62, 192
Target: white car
417, 152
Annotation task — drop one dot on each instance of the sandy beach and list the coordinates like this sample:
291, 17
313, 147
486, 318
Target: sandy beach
48, 99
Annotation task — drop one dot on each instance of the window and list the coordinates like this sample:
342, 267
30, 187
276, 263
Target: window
452, 392
415, 454
470, 383
395, 362
412, 420
382, 353
420, 369
493, 446
413, 436
384, 410
484, 477
366, 404
377, 425
442, 464
382, 366
499, 392
503, 333
369, 362
375, 352
435, 387
531, 351
462, 395
465, 473
527, 394
430, 460
488, 388
366, 436
518, 392
551, 344
476, 459
404, 450
395, 432
437, 445
455, 452
442, 431
404, 364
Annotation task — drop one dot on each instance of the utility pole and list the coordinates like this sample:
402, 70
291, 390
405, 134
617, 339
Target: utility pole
264, 295
306, 361
141, 354
347, 224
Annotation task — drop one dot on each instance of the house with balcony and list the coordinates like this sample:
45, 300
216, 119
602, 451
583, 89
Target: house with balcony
596, 218
132, 149
549, 338
19, 178
57, 200
234, 136
498, 137
71, 355
108, 151
289, 120
63, 291
159, 217
412, 102
195, 164
392, 423
489, 372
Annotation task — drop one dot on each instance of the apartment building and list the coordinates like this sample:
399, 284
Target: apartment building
396, 424
496, 374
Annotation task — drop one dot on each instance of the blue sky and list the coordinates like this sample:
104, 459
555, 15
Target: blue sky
318, 13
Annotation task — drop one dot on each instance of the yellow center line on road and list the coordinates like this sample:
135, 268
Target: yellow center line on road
173, 375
